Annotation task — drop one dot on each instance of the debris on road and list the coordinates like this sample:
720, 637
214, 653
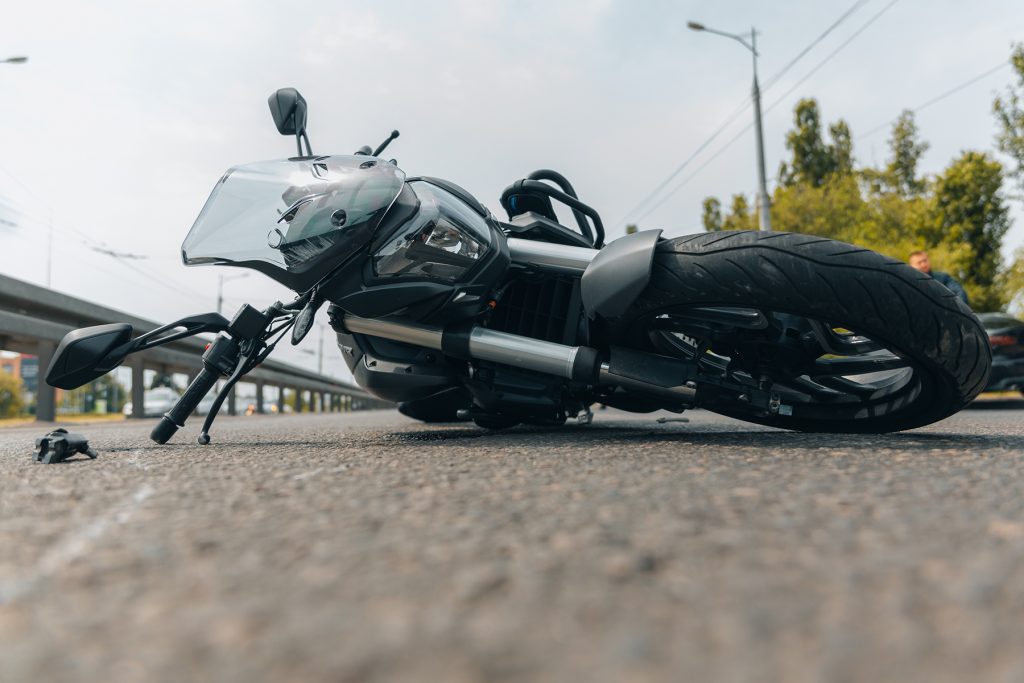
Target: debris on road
60, 445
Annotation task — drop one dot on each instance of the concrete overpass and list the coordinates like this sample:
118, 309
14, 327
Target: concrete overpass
34, 319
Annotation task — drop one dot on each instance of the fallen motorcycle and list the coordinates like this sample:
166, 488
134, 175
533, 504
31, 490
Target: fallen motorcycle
456, 314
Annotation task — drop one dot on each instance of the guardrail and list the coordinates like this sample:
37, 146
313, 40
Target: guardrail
34, 319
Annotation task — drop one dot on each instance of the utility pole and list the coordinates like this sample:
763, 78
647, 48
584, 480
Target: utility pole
320, 353
221, 279
49, 252
764, 205
765, 216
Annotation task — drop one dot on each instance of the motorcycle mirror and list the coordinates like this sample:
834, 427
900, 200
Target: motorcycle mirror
288, 108
84, 355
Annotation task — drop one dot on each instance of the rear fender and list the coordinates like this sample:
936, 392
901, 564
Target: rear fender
618, 274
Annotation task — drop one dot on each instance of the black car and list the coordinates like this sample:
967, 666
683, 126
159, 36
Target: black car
1006, 337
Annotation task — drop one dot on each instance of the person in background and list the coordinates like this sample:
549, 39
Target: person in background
919, 261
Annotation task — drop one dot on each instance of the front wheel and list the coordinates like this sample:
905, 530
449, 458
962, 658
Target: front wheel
839, 337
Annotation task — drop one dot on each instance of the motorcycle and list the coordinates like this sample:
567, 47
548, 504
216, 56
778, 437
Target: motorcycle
458, 315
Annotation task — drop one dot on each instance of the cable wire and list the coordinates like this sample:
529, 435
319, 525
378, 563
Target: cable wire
740, 134
741, 109
832, 54
939, 98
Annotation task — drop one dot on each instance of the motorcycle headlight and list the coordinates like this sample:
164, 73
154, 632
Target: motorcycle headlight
440, 243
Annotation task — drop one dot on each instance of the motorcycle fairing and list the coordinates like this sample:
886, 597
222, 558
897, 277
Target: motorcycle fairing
293, 219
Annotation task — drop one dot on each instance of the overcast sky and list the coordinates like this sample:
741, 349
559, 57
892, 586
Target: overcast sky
127, 113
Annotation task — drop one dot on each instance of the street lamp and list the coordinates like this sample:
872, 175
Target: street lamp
764, 215
14, 60
220, 287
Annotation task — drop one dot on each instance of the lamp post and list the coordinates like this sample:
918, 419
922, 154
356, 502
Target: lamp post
220, 288
764, 214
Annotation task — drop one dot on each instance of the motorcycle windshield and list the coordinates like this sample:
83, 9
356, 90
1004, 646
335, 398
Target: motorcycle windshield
288, 217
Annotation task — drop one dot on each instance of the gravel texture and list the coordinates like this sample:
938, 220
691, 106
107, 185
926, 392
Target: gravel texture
367, 547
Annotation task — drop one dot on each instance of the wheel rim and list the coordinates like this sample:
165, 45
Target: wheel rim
824, 372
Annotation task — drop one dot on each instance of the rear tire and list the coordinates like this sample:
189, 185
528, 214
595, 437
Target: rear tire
906, 311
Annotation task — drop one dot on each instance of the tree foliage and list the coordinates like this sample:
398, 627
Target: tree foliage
960, 216
11, 403
813, 160
711, 216
969, 213
899, 176
740, 216
1009, 111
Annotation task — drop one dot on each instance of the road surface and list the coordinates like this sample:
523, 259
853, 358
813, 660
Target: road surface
368, 547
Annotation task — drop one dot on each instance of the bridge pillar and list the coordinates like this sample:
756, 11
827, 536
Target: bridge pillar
298, 400
259, 397
232, 410
46, 396
138, 388
280, 400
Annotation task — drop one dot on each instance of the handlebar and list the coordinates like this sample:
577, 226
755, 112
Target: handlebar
175, 418
219, 359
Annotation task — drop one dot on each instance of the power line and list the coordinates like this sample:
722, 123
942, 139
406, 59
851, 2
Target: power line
693, 175
832, 54
67, 251
732, 141
85, 240
742, 108
939, 98
856, 6
93, 245
679, 169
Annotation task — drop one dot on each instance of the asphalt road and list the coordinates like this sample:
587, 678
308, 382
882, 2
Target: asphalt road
368, 547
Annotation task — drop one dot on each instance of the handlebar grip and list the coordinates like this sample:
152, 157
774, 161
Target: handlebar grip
175, 418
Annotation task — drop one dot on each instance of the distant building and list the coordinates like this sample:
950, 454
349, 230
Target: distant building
10, 363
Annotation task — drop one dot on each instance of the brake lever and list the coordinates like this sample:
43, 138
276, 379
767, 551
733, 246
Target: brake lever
253, 352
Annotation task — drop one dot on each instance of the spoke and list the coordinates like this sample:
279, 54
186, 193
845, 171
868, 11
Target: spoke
837, 367
746, 318
810, 388
847, 386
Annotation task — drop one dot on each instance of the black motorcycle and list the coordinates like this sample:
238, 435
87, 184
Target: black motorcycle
455, 314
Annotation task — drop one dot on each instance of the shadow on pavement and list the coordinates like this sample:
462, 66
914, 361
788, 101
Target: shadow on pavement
726, 435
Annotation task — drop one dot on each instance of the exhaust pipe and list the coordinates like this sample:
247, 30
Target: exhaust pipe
577, 363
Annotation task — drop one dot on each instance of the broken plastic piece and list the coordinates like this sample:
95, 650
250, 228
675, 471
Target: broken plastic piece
60, 445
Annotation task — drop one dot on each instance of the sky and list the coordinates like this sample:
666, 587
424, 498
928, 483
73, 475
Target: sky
127, 113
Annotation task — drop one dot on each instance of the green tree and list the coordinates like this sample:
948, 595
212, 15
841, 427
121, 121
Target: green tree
712, 214
900, 173
969, 214
960, 217
1009, 111
740, 217
631, 229
834, 209
11, 404
813, 160
842, 148
1012, 282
